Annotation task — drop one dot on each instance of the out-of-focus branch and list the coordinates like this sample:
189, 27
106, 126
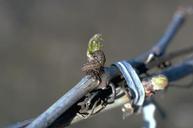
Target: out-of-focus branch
176, 23
160, 47
149, 116
178, 71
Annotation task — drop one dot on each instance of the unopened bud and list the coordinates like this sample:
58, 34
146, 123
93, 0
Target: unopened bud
159, 82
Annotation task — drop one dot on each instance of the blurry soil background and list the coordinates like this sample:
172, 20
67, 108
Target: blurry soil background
43, 45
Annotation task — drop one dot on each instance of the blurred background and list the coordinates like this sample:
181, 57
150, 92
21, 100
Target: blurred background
43, 45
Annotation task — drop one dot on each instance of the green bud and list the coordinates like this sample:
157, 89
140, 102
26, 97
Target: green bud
95, 44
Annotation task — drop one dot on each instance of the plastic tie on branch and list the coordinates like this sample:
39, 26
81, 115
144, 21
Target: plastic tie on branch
133, 82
